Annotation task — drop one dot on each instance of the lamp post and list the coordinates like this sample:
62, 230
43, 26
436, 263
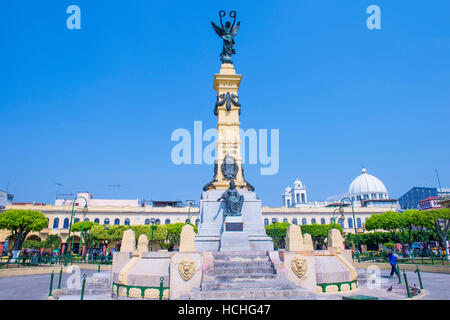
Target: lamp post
71, 219
85, 210
153, 221
354, 221
334, 213
190, 203
274, 220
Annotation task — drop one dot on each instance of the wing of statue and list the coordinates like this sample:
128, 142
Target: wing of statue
217, 29
235, 29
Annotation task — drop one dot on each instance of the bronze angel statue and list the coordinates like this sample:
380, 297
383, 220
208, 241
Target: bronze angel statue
227, 33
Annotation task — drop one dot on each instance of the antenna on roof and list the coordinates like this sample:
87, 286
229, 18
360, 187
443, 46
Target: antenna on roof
439, 181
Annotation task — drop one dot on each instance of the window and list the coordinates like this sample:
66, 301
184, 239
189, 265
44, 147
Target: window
350, 222
147, 221
197, 221
304, 221
167, 221
117, 221
303, 198
106, 221
127, 222
313, 220
294, 221
358, 222
289, 203
66, 223
48, 222
158, 221
322, 221
298, 198
266, 222
86, 219
96, 220
76, 220
187, 221
56, 223
341, 222
285, 220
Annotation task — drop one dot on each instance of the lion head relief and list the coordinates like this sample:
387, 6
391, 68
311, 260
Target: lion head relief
299, 266
186, 268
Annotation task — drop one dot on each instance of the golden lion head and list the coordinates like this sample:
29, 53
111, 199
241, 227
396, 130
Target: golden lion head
186, 268
299, 266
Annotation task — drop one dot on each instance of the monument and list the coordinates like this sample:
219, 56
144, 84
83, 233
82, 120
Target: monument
230, 211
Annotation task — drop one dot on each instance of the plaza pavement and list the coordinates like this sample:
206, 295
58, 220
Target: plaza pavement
436, 287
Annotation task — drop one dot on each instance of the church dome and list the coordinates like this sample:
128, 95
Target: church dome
367, 184
297, 183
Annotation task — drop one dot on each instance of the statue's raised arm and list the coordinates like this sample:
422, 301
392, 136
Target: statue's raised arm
227, 33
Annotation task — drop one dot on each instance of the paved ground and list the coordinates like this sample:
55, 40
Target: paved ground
36, 287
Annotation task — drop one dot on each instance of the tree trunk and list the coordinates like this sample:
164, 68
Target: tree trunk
21, 236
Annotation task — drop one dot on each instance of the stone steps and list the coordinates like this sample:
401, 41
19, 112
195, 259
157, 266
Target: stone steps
247, 284
242, 264
239, 270
254, 294
245, 276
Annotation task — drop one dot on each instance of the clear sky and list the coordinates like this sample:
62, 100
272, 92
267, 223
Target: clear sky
96, 107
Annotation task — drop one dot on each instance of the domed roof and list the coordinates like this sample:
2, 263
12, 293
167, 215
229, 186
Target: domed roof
365, 184
297, 183
288, 189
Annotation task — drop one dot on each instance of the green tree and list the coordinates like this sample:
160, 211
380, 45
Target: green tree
441, 223
53, 241
159, 232
390, 221
86, 226
21, 223
100, 235
319, 232
173, 235
416, 223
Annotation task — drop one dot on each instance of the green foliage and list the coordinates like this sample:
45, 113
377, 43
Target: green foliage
389, 221
33, 244
99, 234
22, 222
82, 225
53, 241
159, 231
279, 231
390, 245
173, 235
319, 232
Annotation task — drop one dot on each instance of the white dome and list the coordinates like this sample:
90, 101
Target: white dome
297, 183
366, 184
288, 189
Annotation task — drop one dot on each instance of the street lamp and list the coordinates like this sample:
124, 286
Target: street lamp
274, 220
342, 215
85, 210
71, 219
153, 221
190, 203
354, 221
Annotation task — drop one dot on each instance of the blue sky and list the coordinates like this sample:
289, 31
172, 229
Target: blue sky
96, 107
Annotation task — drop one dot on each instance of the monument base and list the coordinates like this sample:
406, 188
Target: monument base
233, 237
213, 225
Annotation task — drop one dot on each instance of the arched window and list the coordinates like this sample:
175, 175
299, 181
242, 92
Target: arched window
167, 221
76, 220
341, 222
147, 221
266, 222
187, 221
298, 198
304, 222
313, 220
333, 220
116, 221
322, 221
358, 222
303, 198
285, 220
350, 222
106, 221
294, 221
66, 223
158, 221
96, 220
197, 221
289, 203
56, 223
86, 219
48, 222
127, 222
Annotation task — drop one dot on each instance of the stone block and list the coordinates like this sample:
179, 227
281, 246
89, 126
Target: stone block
301, 270
185, 273
307, 242
294, 238
142, 243
335, 240
128, 241
187, 239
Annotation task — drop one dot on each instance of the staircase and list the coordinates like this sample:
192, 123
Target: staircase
247, 275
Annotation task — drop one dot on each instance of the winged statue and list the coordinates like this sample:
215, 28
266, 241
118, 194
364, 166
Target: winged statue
227, 34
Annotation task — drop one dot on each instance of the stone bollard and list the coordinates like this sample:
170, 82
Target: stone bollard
187, 239
294, 238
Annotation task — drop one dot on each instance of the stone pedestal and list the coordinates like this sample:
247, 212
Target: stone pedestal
212, 224
234, 238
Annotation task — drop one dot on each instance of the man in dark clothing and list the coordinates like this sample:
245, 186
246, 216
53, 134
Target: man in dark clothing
393, 262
